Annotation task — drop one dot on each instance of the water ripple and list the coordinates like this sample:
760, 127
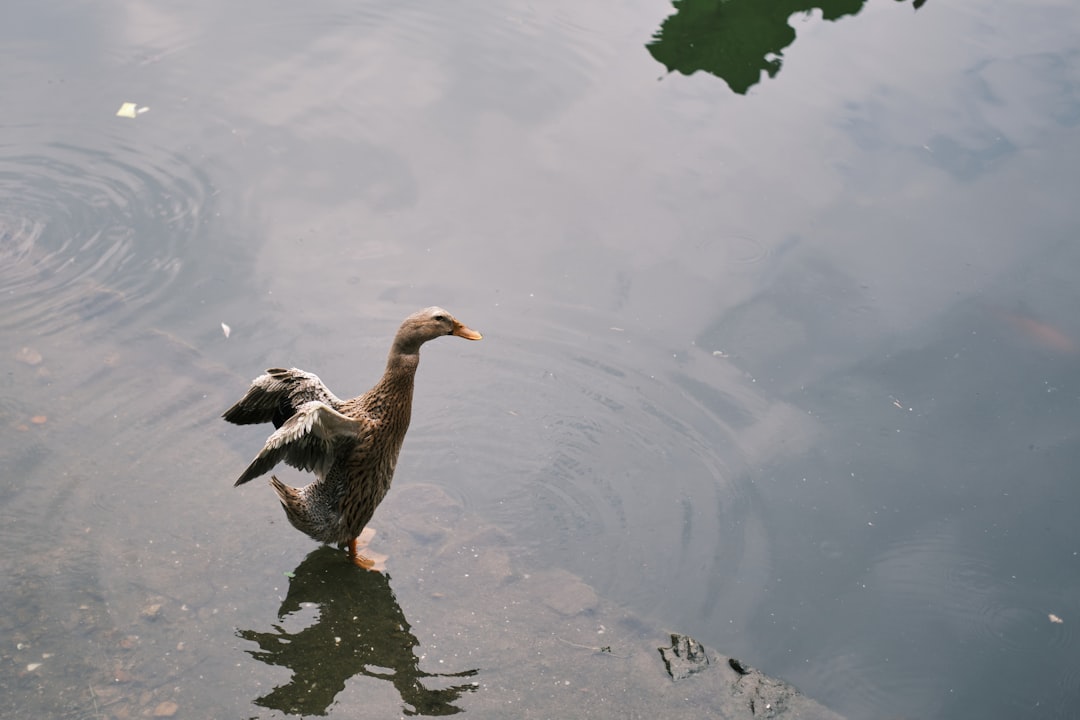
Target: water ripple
958, 589
607, 469
87, 232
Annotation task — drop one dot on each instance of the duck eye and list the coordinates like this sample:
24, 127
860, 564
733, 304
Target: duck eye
441, 318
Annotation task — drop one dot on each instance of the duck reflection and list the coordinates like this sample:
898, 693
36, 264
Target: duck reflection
358, 629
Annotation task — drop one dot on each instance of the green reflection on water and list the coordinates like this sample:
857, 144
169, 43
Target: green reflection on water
736, 40
359, 629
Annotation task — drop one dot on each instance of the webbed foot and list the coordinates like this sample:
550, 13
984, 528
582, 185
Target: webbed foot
373, 561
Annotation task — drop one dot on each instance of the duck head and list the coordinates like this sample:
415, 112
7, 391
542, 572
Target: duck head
428, 324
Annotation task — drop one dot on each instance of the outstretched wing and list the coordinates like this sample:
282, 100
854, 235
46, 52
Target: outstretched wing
277, 395
309, 440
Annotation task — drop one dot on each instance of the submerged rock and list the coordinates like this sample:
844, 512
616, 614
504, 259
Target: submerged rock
685, 657
166, 708
740, 690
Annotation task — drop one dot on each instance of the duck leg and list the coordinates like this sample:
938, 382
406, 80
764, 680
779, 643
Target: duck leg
376, 562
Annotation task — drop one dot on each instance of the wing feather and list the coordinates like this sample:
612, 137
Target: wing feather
277, 395
309, 440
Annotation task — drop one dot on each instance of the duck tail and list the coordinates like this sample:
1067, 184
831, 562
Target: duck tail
292, 499
306, 510
284, 492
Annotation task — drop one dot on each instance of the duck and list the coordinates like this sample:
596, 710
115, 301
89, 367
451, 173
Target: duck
351, 446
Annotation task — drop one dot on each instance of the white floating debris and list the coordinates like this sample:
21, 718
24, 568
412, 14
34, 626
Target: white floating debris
130, 110
1055, 619
32, 667
226, 329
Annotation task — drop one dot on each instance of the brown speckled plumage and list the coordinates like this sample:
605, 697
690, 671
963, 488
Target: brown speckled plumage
350, 445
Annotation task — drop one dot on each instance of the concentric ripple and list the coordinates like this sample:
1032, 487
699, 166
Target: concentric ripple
91, 233
606, 469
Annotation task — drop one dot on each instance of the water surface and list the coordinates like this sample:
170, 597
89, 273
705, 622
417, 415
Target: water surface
787, 363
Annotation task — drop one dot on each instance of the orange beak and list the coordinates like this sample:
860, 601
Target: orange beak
465, 332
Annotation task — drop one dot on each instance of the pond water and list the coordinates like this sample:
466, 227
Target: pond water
779, 346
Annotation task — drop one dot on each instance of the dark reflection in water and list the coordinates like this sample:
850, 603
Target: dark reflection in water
738, 39
358, 629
